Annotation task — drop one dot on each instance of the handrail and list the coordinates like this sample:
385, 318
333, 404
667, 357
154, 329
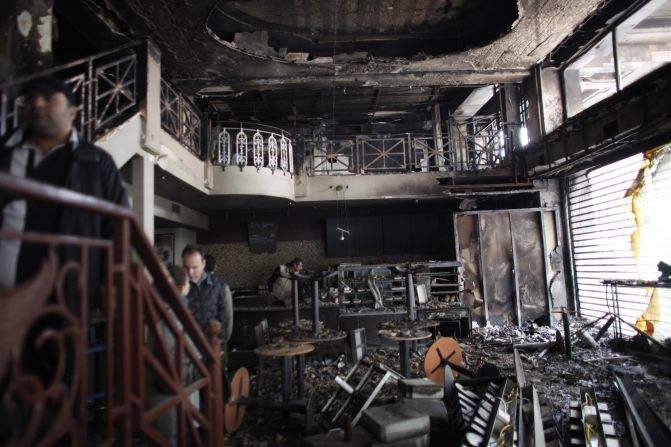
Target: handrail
67, 198
128, 292
241, 146
474, 148
71, 64
108, 86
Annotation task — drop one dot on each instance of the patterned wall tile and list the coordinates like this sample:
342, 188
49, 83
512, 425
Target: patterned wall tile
241, 268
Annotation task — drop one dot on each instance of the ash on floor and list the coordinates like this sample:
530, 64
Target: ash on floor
557, 378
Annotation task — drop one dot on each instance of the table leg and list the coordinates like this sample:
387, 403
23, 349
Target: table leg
286, 380
616, 305
300, 376
404, 353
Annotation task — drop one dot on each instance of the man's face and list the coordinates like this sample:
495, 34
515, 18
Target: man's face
194, 264
297, 267
48, 115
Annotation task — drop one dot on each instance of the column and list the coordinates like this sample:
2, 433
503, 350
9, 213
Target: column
142, 192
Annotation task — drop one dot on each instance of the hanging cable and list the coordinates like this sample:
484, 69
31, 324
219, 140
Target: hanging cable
335, 42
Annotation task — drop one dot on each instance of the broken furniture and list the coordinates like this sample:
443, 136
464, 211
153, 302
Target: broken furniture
591, 422
351, 397
442, 280
444, 352
487, 419
559, 344
613, 292
645, 426
234, 409
288, 351
454, 320
316, 335
410, 301
315, 278
245, 318
395, 326
262, 335
404, 337
397, 423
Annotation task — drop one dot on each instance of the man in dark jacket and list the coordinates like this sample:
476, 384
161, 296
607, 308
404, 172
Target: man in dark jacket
47, 148
209, 298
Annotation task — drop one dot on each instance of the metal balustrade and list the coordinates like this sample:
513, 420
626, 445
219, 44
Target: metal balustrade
180, 118
241, 147
468, 144
106, 89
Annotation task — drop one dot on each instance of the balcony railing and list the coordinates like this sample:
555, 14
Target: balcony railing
468, 145
241, 147
106, 87
180, 118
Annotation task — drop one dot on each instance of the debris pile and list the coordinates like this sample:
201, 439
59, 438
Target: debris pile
575, 398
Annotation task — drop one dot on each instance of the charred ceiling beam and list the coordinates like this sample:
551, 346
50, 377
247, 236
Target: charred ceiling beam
206, 86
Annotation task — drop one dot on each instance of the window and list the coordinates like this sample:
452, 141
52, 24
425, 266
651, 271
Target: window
644, 41
643, 44
591, 77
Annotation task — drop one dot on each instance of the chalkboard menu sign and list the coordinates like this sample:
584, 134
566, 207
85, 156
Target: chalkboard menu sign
262, 237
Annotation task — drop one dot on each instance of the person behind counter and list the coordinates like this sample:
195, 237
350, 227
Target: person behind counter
279, 283
210, 264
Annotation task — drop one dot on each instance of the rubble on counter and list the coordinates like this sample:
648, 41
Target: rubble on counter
287, 330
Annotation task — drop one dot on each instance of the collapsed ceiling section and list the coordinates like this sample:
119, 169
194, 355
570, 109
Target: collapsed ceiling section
353, 30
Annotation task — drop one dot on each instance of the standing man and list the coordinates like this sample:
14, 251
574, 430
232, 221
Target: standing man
209, 298
279, 283
47, 148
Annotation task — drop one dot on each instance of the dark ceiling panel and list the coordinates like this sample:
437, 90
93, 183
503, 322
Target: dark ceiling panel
362, 106
387, 28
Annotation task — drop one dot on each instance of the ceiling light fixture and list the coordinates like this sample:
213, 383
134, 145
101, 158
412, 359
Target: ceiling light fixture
343, 232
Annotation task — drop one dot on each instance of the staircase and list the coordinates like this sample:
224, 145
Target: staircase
80, 364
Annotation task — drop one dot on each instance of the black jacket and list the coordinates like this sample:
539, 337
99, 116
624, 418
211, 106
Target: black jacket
211, 299
92, 172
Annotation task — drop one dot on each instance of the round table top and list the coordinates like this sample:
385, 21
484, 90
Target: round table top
284, 349
315, 338
412, 336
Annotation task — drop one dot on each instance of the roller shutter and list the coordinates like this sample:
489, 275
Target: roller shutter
602, 225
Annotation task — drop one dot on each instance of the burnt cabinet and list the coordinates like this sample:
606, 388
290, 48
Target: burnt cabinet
436, 282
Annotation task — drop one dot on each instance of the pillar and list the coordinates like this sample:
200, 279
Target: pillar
151, 140
142, 191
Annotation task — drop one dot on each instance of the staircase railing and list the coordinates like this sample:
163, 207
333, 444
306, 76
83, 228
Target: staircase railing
71, 375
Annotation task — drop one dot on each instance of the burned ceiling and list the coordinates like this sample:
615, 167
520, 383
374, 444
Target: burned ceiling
352, 30
373, 66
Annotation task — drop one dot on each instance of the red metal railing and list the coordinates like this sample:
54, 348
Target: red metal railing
47, 369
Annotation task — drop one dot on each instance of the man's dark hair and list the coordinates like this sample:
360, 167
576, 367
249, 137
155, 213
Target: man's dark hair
49, 85
178, 275
191, 249
210, 263
294, 262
